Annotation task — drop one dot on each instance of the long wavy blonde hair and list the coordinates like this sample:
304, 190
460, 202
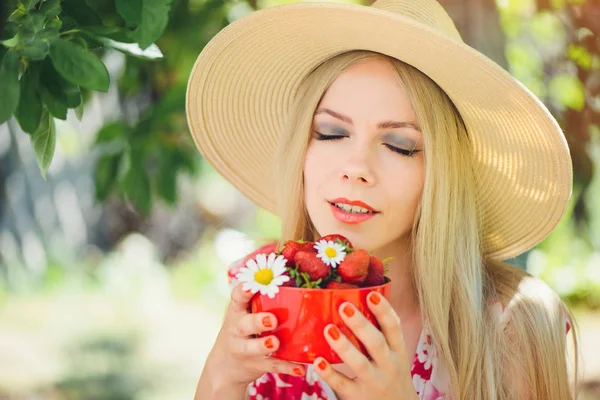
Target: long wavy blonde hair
455, 284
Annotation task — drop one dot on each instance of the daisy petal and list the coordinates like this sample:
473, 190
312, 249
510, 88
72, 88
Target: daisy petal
261, 260
251, 264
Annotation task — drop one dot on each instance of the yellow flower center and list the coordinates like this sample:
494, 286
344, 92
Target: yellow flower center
264, 276
330, 252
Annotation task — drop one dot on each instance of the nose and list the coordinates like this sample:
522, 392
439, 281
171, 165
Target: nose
357, 166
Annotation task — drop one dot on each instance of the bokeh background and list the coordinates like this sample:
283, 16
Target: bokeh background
115, 234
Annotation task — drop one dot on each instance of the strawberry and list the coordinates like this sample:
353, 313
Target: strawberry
309, 263
335, 237
290, 248
375, 274
355, 267
340, 285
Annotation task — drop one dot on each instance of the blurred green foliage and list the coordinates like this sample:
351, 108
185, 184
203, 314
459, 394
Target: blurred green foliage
51, 59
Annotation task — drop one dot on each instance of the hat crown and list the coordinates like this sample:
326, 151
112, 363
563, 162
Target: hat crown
427, 12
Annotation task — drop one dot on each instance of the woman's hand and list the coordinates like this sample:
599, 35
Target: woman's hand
238, 357
388, 375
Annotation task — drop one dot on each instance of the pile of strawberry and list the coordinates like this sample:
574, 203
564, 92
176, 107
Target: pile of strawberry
306, 270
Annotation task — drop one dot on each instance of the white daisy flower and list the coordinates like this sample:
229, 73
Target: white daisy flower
264, 274
331, 253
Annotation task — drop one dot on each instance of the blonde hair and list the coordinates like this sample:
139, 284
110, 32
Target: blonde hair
453, 281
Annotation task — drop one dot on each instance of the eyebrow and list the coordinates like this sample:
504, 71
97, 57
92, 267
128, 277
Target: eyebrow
381, 125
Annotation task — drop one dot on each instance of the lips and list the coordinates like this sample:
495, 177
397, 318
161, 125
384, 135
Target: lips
352, 203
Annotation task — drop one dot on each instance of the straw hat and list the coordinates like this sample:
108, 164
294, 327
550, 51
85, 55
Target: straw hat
243, 83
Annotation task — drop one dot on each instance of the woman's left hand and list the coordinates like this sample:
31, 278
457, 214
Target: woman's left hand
388, 375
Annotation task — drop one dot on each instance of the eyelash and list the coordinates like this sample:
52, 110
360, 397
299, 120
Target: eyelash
406, 153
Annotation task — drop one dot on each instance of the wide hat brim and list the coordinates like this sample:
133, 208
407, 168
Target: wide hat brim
245, 79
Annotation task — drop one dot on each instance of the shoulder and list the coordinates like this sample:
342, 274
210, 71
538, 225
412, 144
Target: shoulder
532, 345
521, 299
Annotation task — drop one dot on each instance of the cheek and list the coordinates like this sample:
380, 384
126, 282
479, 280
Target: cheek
314, 165
406, 187
311, 173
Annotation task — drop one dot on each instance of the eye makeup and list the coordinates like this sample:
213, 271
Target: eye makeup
331, 132
407, 153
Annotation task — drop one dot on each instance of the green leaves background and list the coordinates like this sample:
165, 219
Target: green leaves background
50, 61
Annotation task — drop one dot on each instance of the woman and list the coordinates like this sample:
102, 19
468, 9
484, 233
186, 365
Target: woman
308, 106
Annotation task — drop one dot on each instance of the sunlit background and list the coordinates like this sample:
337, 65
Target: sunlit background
113, 268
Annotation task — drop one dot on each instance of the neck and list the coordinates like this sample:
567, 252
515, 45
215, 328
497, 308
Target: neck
403, 294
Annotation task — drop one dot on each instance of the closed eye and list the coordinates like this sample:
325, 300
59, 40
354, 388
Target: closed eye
320, 136
407, 153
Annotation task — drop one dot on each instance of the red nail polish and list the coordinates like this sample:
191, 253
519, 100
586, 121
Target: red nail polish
334, 332
322, 365
267, 322
269, 343
348, 310
375, 298
298, 371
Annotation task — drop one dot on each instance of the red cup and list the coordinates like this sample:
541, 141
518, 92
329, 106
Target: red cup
302, 315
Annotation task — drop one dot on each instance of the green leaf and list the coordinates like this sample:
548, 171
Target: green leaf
568, 91
55, 105
53, 23
57, 93
50, 8
133, 49
105, 174
124, 168
28, 4
137, 184
81, 12
130, 10
79, 66
49, 33
10, 88
35, 50
44, 143
79, 109
53, 81
17, 15
11, 42
155, 16
166, 178
112, 132
10, 30
32, 24
30, 109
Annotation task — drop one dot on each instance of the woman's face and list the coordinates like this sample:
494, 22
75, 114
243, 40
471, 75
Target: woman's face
370, 128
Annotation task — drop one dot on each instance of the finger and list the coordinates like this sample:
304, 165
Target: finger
371, 337
349, 353
254, 347
284, 367
341, 384
388, 320
240, 299
254, 324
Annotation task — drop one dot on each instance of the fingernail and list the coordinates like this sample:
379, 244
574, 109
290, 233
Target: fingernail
322, 365
348, 310
267, 322
375, 298
333, 332
298, 371
269, 343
